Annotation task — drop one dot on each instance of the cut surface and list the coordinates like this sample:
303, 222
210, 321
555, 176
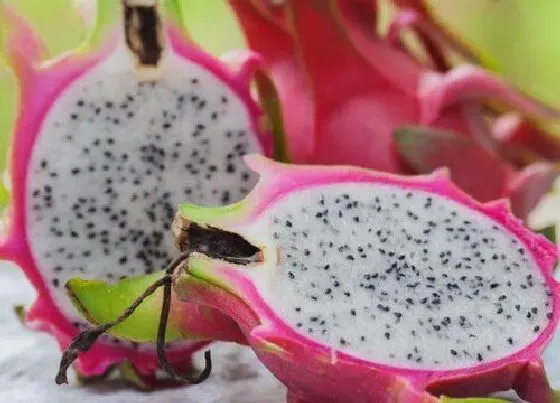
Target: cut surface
408, 279
114, 158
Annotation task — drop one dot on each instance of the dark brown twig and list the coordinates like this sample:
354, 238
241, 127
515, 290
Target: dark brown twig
162, 359
84, 341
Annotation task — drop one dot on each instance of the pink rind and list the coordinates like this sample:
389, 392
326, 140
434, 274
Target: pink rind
312, 358
40, 83
267, 33
468, 82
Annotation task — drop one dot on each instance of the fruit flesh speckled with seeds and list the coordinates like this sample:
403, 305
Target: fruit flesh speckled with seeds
396, 287
103, 151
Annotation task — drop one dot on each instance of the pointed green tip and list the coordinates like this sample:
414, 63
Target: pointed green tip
209, 215
19, 311
99, 302
548, 232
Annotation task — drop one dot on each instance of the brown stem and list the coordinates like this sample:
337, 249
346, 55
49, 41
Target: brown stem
160, 346
162, 359
84, 341
143, 32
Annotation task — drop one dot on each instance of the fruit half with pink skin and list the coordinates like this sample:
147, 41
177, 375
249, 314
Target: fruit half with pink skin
108, 140
398, 288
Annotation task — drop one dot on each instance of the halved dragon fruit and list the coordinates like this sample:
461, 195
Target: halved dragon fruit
398, 288
109, 139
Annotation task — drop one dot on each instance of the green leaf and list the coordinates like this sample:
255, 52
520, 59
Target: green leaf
100, 302
270, 103
548, 232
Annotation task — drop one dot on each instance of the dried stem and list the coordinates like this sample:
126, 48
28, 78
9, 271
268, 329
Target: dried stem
84, 341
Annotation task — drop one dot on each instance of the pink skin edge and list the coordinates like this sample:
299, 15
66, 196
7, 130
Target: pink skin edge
519, 137
527, 186
23, 50
522, 370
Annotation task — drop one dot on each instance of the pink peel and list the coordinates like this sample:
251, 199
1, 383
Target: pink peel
22, 47
523, 142
312, 371
468, 82
245, 64
528, 185
267, 35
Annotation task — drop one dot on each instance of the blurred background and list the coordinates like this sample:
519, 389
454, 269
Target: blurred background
517, 39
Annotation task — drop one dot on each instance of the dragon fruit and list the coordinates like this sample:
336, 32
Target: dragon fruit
400, 288
348, 110
109, 138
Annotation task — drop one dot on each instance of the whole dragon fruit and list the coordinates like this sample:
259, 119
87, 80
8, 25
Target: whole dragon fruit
108, 139
398, 288
348, 94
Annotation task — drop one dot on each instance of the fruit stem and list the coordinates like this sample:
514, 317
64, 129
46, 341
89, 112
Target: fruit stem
214, 242
85, 340
143, 31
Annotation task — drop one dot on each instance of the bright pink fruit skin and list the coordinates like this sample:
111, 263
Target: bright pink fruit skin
307, 367
40, 85
354, 88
